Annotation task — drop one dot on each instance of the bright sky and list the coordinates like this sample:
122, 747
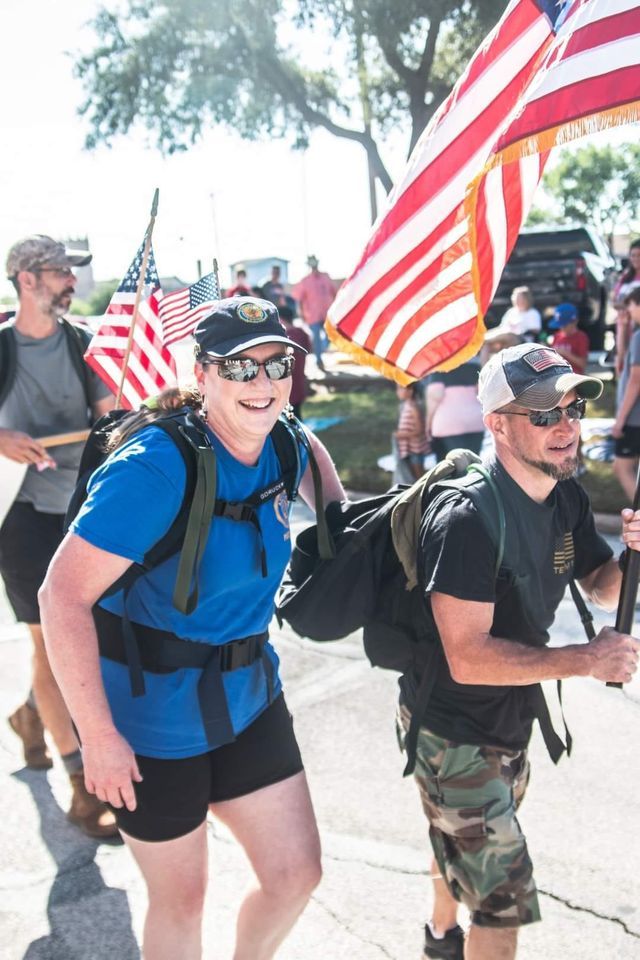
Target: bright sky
224, 198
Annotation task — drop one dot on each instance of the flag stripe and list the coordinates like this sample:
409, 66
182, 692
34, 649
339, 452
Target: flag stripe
150, 366
181, 310
434, 258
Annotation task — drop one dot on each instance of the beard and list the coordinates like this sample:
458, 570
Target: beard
557, 471
56, 305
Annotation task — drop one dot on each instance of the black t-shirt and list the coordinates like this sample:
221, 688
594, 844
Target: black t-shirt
546, 545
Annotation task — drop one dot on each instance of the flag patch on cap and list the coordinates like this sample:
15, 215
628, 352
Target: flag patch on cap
540, 360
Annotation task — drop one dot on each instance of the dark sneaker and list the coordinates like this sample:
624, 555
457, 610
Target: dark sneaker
451, 947
26, 722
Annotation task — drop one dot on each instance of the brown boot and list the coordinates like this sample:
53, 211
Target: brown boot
27, 724
88, 813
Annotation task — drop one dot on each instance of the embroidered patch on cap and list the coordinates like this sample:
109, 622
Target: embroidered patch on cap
540, 360
251, 312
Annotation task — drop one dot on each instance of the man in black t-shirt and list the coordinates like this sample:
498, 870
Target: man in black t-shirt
491, 634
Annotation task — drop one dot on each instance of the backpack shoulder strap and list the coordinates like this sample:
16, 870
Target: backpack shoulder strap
287, 440
409, 507
7, 359
288, 436
191, 526
78, 339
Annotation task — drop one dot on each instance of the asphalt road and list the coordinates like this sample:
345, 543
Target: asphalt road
66, 897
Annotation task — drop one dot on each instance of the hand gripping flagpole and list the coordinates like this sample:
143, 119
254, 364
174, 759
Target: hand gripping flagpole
629, 587
139, 289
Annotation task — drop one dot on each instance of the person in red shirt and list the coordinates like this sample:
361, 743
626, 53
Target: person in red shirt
568, 341
241, 288
315, 293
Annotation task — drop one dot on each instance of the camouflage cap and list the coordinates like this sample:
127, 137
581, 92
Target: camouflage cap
38, 251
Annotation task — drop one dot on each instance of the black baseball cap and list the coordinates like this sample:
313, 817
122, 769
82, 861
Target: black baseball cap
238, 323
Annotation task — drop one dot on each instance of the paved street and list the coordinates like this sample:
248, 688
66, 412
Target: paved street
65, 897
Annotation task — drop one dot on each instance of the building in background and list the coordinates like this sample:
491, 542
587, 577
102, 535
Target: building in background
86, 281
260, 268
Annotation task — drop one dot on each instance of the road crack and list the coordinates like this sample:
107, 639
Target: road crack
593, 913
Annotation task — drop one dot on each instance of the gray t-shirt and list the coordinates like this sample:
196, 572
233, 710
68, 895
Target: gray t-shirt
632, 359
47, 397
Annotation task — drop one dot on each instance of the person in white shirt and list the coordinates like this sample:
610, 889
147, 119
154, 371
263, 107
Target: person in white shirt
520, 323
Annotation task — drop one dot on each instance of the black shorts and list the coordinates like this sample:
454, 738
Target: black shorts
28, 540
628, 445
174, 795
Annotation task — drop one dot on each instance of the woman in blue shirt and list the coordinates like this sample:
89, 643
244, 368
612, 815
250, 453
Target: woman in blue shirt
163, 759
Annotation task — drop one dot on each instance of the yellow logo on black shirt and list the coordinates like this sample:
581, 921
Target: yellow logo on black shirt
564, 554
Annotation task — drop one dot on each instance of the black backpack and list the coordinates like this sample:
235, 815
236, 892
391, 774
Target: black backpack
190, 529
78, 339
372, 582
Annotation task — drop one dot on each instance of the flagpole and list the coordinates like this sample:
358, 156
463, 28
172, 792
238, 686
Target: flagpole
629, 587
136, 304
215, 273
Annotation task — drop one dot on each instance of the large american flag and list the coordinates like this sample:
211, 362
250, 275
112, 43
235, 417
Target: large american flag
150, 367
415, 300
181, 310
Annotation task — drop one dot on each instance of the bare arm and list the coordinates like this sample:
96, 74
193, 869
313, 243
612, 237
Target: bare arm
602, 586
476, 657
78, 575
332, 488
19, 446
435, 396
631, 394
100, 407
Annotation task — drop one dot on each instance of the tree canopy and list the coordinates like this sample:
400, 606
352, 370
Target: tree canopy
356, 68
598, 185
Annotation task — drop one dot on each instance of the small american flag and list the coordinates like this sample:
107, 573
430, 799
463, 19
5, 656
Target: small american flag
548, 71
180, 311
151, 366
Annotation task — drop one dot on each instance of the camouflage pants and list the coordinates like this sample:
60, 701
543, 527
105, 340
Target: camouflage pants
470, 795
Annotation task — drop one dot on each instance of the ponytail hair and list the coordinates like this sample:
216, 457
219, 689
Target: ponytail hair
173, 398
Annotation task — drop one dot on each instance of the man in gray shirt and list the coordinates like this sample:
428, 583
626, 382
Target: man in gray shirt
45, 389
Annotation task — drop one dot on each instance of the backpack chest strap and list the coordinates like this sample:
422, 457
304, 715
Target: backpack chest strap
247, 511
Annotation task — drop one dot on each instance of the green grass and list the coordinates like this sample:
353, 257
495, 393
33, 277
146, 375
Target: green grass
370, 417
364, 436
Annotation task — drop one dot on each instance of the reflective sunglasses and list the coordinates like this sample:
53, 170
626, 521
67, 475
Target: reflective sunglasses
549, 418
59, 271
243, 369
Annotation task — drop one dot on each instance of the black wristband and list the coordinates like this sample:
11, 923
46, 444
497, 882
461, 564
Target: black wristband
622, 559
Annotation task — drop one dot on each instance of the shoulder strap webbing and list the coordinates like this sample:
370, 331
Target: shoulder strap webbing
406, 513
200, 494
7, 359
288, 435
78, 340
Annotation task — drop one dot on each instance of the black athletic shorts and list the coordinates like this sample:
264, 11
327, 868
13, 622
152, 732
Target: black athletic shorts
628, 445
28, 540
174, 795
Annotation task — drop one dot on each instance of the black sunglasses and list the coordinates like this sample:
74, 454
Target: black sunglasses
243, 369
549, 418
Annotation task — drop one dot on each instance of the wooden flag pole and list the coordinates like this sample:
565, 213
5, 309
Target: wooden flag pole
215, 273
57, 439
139, 289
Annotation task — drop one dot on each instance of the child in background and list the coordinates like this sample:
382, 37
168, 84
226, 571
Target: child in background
568, 341
410, 435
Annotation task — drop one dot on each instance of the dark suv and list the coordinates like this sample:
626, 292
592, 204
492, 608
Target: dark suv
560, 265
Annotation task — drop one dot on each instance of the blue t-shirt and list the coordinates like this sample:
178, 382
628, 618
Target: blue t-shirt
132, 500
